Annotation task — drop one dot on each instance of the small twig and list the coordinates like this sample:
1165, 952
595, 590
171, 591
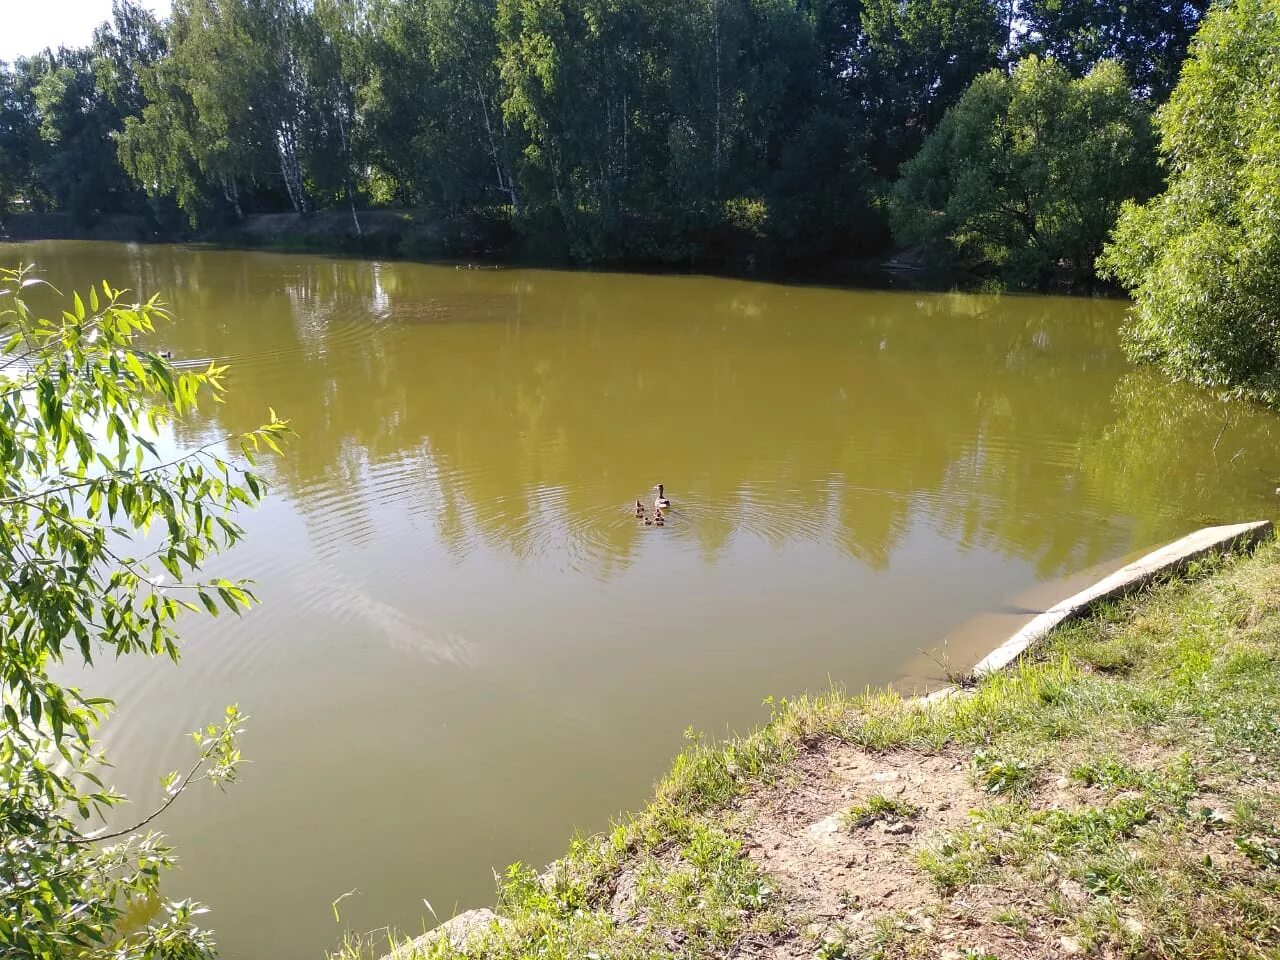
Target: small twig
187, 781
124, 474
176, 792
132, 566
1226, 422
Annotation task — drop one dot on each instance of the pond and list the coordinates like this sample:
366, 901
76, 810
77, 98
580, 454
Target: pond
468, 647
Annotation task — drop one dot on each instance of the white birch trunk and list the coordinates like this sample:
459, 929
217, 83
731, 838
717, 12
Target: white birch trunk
291, 167
288, 115
505, 183
232, 194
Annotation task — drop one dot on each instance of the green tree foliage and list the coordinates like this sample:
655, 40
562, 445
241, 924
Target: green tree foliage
434, 104
101, 539
20, 143
1148, 37
333, 59
130, 41
170, 154
230, 96
575, 85
61, 112
655, 131
635, 130
78, 122
1202, 259
1025, 175
915, 58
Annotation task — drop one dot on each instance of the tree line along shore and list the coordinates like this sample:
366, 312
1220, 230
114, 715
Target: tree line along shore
1002, 144
774, 133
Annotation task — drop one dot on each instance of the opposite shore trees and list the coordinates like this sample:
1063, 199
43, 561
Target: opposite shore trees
1024, 176
637, 131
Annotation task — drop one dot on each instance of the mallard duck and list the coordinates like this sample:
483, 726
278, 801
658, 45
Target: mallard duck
661, 502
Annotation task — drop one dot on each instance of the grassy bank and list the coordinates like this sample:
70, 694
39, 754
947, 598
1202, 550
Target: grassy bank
1117, 794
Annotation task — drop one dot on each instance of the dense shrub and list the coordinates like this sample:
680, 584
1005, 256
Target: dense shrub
1023, 178
1202, 260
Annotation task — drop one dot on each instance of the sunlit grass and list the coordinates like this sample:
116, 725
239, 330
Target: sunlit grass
1126, 762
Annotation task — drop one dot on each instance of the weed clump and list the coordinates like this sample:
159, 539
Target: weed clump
878, 807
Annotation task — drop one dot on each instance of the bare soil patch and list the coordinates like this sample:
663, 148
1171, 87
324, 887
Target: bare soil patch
832, 873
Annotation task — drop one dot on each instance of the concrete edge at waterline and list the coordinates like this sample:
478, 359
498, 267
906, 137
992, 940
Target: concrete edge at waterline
1169, 559
461, 931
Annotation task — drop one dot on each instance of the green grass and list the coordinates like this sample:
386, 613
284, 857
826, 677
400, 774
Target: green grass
1002, 774
878, 807
1130, 771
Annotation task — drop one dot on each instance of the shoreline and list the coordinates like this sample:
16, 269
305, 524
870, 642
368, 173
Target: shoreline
419, 236
413, 236
762, 828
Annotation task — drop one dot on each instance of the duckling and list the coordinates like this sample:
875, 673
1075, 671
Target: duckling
639, 510
166, 354
658, 519
661, 502
648, 521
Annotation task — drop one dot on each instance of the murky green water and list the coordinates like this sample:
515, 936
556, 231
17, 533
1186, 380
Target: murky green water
468, 648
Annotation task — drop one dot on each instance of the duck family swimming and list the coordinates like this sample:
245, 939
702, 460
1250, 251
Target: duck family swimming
660, 507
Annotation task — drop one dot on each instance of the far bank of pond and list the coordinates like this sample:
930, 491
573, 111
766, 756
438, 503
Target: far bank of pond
479, 237
468, 649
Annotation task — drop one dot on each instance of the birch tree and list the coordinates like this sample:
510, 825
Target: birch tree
463, 49
229, 102
570, 72
334, 58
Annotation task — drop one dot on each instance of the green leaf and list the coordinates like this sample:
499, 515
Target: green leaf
135, 366
208, 602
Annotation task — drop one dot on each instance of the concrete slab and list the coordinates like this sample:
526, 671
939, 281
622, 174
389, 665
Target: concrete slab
465, 931
1167, 560
472, 927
